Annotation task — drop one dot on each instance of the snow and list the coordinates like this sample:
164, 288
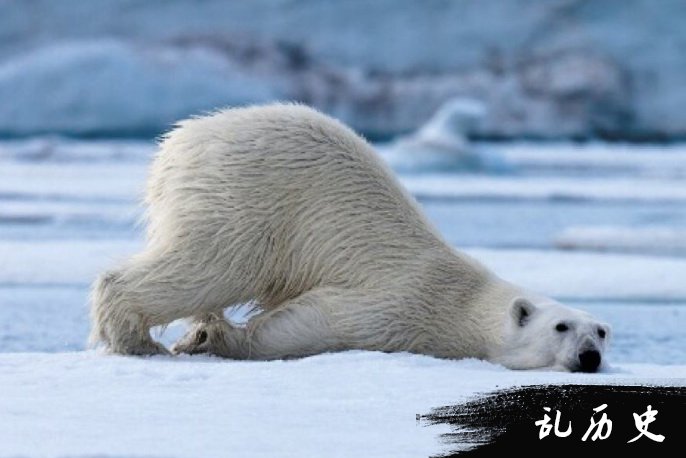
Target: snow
114, 182
588, 275
663, 161
554, 171
441, 142
60, 149
68, 218
65, 262
348, 404
666, 240
441, 186
68, 210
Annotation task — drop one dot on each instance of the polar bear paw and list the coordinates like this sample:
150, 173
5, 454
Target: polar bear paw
148, 348
208, 335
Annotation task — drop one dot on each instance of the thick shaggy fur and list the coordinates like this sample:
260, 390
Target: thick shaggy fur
289, 209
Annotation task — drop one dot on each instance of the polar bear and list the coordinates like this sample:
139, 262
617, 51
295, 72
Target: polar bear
288, 209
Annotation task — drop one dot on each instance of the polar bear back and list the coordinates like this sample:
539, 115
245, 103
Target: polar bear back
287, 195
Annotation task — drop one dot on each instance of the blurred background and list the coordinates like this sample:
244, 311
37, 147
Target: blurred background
541, 69
543, 137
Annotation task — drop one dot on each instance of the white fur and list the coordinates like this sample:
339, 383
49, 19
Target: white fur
288, 208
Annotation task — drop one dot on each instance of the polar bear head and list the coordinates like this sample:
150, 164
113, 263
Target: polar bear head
545, 334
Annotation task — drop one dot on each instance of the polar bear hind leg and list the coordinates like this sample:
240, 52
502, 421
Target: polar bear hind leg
152, 291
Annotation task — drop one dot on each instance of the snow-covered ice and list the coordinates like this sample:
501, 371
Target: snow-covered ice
442, 186
68, 209
441, 142
82, 181
665, 161
347, 404
653, 239
583, 275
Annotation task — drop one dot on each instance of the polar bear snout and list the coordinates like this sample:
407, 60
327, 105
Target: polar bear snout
589, 360
591, 347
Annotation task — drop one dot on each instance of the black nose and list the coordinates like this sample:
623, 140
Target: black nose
590, 360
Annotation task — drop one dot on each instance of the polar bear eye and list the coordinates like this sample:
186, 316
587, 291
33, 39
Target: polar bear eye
561, 327
601, 333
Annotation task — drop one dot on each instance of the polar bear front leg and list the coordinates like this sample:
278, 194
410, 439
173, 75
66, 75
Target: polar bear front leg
318, 321
296, 328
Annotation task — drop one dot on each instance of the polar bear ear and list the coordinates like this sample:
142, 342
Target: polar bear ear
521, 311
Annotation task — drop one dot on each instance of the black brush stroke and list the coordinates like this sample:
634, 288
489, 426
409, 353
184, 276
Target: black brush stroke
502, 422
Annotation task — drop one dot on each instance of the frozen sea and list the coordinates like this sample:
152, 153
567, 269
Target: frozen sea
598, 226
